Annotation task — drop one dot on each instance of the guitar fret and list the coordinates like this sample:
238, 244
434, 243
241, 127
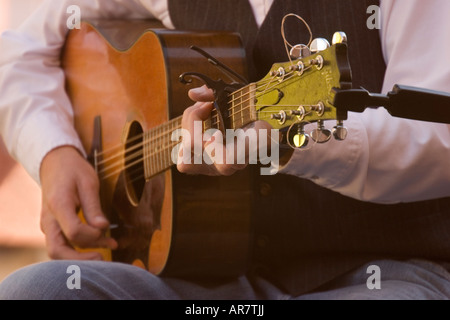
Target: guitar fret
166, 146
152, 154
243, 98
243, 106
158, 148
146, 168
233, 107
146, 148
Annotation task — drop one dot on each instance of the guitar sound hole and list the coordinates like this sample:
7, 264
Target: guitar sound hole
134, 163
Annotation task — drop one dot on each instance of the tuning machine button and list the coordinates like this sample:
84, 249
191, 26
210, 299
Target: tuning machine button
340, 132
300, 51
319, 44
339, 37
301, 139
321, 134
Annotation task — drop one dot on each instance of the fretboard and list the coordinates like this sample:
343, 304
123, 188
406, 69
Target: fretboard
240, 110
158, 144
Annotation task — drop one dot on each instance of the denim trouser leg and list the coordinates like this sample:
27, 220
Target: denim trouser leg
414, 279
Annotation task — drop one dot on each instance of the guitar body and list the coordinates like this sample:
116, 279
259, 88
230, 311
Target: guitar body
122, 79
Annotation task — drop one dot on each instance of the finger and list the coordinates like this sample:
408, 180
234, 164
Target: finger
193, 118
198, 112
76, 232
57, 245
203, 94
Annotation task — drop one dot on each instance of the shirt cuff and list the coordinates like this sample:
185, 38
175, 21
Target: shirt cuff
337, 165
49, 130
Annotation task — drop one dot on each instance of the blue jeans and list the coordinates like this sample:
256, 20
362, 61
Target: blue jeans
400, 280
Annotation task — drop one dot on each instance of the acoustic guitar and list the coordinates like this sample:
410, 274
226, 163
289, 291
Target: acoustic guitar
123, 79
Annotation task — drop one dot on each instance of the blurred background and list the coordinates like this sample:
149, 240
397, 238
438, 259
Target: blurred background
21, 240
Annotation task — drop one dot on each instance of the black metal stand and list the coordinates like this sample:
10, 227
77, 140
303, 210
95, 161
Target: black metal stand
403, 102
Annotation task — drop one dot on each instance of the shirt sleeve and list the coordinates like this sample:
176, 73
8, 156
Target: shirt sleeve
387, 159
35, 112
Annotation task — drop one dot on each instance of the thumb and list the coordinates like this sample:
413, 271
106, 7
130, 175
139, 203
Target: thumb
201, 94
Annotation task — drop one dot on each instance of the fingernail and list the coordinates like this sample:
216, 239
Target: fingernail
197, 90
101, 220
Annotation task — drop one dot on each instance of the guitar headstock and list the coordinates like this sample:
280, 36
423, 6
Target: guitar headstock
299, 92
292, 95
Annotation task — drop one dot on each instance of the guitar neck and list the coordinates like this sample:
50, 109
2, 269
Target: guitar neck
158, 144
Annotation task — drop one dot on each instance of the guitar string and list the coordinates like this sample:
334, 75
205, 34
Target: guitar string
213, 118
137, 137
107, 173
138, 154
287, 76
242, 102
155, 170
155, 139
140, 159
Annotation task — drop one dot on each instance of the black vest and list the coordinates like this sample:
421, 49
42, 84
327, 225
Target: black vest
306, 235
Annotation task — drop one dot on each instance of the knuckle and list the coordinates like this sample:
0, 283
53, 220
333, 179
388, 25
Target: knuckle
52, 252
187, 112
72, 235
181, 168
225, 170
54, 202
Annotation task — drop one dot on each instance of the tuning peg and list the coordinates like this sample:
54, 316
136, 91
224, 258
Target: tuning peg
301, 139
340, 132
300, 51
280, 116
339, 37
321, 134
319, 44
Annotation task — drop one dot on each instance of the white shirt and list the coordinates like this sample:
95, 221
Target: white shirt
384, 159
